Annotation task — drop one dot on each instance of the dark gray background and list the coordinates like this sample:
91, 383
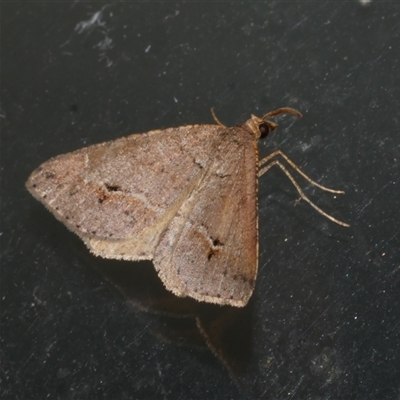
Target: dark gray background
323, 322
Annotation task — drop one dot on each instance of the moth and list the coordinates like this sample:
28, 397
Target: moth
185, 198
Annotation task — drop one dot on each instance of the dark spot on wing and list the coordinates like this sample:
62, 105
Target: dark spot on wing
216, 246
102, 197
112, 188
49, 175
216, 243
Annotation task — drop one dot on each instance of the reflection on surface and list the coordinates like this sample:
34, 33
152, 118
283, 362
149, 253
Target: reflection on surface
225, 330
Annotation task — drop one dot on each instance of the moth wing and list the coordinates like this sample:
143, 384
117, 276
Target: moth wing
209, 250
119, 196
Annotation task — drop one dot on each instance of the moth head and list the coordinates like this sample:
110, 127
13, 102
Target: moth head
260, 127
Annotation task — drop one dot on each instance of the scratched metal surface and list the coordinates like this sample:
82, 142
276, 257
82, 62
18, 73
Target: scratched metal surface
323, 321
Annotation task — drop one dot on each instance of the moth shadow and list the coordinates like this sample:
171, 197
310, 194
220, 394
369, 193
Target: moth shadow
224, 330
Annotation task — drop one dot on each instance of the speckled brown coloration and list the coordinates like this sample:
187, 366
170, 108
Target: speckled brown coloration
183, 197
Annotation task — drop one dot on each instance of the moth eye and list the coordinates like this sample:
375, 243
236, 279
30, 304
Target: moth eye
264, 130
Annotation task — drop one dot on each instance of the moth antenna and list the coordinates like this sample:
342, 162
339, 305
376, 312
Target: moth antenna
283, 110
216, 118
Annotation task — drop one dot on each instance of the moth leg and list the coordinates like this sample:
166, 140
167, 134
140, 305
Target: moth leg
301, 193
216, 119
296, 168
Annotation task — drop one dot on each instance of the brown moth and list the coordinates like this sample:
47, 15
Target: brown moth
185, 198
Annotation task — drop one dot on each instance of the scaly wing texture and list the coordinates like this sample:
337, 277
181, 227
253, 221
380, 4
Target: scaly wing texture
210, 248
119, 196
185, 197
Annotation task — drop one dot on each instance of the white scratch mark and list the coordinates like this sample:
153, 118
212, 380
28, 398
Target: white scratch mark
368, 203
105, 44
40, 302
90, 23
172, 16
96, 22
104, 57
147, 48
392, 273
